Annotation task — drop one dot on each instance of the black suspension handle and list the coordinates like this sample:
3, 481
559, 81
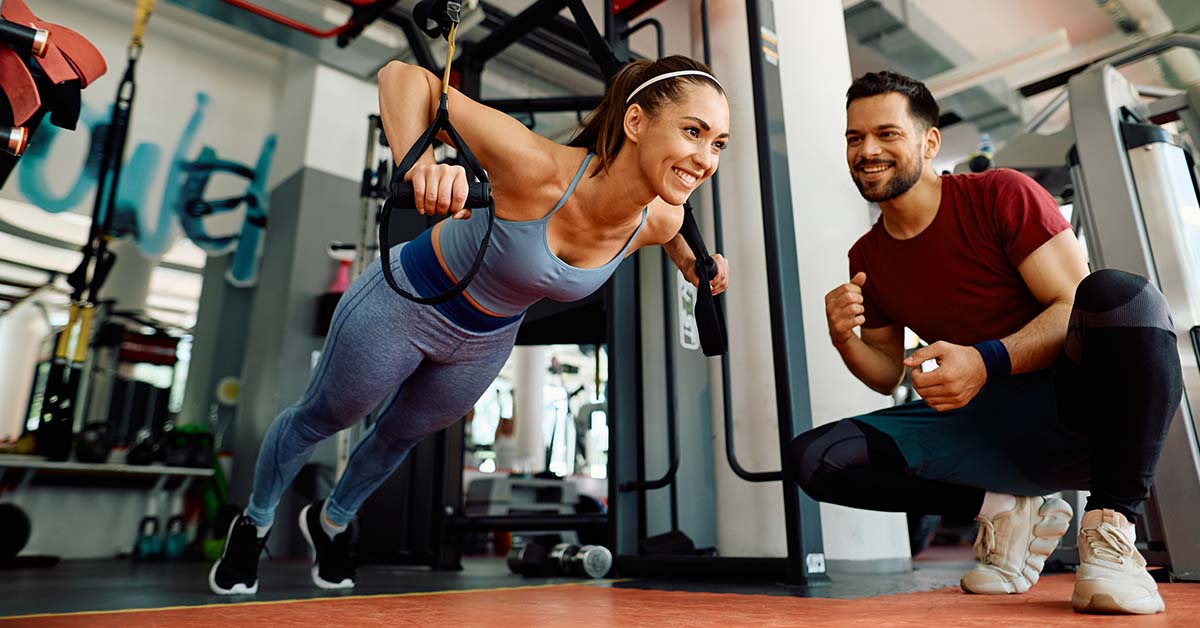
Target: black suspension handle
13, 139
710, 316
479, 195
24, 38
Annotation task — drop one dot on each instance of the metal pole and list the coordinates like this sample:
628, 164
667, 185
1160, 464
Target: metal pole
806, 560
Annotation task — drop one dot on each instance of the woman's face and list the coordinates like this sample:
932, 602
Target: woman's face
680, 145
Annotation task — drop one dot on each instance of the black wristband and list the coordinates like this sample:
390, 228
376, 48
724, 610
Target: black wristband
995, 359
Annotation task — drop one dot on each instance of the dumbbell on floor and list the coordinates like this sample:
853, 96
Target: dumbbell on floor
589, 561
529, 560
534, 560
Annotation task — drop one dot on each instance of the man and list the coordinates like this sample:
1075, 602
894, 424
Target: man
1047, 378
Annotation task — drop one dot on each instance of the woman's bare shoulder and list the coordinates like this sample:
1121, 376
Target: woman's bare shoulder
533, 182
663, 220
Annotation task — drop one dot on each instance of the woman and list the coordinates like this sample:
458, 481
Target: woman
565, 218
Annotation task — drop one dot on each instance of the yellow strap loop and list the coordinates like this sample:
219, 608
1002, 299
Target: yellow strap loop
64, 337
85, 333
141, 16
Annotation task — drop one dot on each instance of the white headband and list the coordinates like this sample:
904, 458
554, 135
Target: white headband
668, 75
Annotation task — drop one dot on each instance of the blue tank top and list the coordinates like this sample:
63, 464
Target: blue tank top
518, 270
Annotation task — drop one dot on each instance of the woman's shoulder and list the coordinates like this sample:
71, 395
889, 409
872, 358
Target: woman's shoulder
663, 220
535, 180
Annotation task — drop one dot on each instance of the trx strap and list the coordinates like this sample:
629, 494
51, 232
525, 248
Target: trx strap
109, 174
446, 15
710, 317
62, 387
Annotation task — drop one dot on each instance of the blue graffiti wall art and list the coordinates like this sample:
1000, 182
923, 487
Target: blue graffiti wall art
183, 199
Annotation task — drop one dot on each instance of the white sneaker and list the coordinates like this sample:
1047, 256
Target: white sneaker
1112, 576
1012, 546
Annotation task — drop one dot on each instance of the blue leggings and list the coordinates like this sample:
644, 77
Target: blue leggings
378, 344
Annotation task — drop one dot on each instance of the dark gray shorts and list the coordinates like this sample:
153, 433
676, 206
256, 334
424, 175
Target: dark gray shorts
1008, 439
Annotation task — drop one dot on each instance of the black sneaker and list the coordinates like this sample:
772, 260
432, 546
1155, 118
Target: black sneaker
236, 572
333, 559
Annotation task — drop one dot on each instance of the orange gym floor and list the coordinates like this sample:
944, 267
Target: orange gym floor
636, 604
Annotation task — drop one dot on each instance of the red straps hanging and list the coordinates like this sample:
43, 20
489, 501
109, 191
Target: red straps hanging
630, 9
279, 18
66, 55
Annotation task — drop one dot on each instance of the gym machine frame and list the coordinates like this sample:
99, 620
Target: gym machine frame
1125, 228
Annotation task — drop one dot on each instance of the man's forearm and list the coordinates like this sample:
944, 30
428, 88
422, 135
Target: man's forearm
873, 367
1040, 342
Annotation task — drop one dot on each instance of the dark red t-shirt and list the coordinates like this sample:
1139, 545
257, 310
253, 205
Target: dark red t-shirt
957, 280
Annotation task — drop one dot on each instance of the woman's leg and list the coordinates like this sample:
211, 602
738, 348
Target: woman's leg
376, 340
440, 391
435, 396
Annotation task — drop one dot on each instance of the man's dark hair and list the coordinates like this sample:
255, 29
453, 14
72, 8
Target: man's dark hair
921, 104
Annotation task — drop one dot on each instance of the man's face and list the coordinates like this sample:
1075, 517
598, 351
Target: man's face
884, 146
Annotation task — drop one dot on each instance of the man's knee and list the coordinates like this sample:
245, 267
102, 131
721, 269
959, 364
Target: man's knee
1114, 298
804, 454
829, 448
1108, 289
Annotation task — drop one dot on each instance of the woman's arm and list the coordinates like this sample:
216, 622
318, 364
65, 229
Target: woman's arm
515, 157
665, 221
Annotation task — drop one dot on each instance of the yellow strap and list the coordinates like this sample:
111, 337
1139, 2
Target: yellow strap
64, 337
449, 58
85, 332
141, 15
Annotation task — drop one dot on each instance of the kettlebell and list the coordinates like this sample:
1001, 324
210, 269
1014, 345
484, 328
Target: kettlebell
176, 538
149, 545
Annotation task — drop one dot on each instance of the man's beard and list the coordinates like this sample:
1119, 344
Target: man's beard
901, 182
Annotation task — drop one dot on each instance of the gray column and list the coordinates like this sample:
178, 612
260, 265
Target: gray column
222, 327
307, 211
314, 200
